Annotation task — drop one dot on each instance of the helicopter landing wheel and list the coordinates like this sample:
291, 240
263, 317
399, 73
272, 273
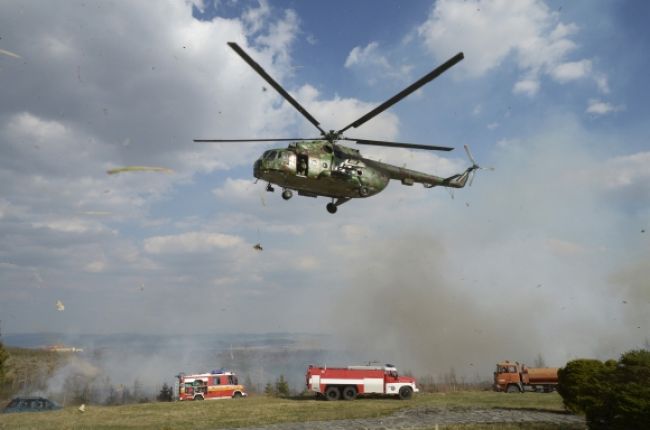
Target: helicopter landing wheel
287, 194
331, 208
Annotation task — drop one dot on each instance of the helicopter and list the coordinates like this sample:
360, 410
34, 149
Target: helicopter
319, 166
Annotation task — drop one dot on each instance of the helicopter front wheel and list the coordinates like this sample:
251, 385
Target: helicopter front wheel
287, 194
331, 208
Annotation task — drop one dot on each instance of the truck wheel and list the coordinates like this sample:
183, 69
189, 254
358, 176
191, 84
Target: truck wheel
405, 393
349, 393
199, 397
512, 389
332, 393
237, 395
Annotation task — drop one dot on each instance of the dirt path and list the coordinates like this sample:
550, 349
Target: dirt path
425, 418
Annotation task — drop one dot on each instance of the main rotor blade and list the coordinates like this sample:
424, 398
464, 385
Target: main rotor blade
258, 140
413, 87
398, 144
275, 85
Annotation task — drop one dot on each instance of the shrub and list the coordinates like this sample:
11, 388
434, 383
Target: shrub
581, 384
613, 395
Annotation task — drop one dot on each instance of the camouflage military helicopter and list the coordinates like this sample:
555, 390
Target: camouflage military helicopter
319, 166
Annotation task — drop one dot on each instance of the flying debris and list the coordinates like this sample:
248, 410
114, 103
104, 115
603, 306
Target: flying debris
139, 169
258, 247
59, 306
9, 53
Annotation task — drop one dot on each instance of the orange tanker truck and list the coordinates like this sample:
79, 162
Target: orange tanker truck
518, 378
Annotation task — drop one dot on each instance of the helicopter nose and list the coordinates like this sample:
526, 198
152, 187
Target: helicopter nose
256, 168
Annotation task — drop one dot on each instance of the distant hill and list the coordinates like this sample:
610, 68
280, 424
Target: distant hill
28, 370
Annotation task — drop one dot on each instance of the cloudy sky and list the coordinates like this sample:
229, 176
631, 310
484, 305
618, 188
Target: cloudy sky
548, 253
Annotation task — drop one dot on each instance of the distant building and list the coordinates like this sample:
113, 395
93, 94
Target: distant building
62, 348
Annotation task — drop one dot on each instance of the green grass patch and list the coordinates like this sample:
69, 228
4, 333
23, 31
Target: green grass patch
261, 410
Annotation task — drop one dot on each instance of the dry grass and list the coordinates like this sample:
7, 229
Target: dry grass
261, 410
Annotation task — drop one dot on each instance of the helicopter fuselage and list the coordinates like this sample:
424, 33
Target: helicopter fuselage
318, 168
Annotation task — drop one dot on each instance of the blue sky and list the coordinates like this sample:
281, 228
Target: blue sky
553, 94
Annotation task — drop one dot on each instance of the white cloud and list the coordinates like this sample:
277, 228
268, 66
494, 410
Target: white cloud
365, 55
355, 232
96, 266
236, 188
69, 225
374, 65
255, 17
336, 113
570, 71
599, 107
281, 35
565, 248
624, 171
602, 83
491, 31
191, 242
308, 263
529, 87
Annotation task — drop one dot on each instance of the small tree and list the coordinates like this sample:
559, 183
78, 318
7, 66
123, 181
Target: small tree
539, 361
166, 393
248, 384
269, 390
282, 387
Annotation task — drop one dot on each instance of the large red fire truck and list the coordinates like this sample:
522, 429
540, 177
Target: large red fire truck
218, 384
347, 382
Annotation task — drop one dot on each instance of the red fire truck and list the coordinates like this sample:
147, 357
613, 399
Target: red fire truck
335, 383
218, 384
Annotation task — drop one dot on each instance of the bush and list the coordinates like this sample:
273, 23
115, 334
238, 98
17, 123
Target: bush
581, 384
4, 355
613, 395
631, 397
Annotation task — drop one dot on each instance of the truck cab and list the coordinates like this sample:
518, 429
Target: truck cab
507, 377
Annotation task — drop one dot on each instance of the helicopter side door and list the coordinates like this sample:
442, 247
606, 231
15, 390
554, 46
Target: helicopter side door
311, 165
302, 164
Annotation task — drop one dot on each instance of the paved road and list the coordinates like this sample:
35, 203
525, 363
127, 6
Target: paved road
425, 418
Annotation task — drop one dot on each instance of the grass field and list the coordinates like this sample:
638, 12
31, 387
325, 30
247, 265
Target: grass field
261, 410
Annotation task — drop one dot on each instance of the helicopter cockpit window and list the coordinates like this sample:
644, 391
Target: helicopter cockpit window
270, 155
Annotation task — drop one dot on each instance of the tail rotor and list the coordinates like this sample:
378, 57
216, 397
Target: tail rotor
474, 167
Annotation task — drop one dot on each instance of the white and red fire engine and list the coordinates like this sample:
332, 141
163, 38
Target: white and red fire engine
218, 384
347, 382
